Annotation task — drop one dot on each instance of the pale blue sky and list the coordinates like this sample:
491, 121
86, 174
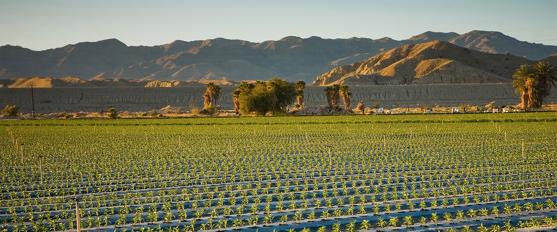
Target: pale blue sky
43, 24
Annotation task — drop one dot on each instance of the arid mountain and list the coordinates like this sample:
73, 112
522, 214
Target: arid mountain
426, 63
65, 82
292, 57
497, 42
217, 59
430, 36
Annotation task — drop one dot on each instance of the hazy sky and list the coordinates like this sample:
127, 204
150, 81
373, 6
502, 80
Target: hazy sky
43, 24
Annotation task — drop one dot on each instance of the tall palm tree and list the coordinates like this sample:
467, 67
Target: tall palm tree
329, 94
531, 91
236, 100
216, 90
335, 96
546, 77
345, 94
534, 83
206, 100
332, 94
273, 88
521, 77
300, 86
211, 95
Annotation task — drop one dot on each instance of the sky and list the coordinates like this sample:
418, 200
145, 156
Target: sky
43, 24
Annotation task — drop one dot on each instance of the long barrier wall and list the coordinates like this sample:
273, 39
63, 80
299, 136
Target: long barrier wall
143, 99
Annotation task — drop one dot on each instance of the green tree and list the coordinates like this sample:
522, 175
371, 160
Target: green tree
546, 76
269, 96
210, 97
345, 94
333, 95
522, 82
300, 86
534, 83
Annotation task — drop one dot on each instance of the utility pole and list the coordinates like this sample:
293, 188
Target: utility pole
32, 102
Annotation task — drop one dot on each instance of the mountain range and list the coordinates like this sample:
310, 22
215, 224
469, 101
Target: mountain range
431, 62
292, 58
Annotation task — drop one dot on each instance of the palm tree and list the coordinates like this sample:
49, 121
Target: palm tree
211, 95
520, 78
206, 100
273, 88
300, 86
329, 95
546, 77
345, 95
215, 90
531, 92
236, 100
534, 83
335, 96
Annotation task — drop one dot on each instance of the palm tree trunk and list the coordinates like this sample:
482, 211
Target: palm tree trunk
523, 100
532, 101
346, 101
206, 101
300, 101
334, 100
236, 105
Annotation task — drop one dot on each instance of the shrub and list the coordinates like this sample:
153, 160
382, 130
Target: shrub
208, 110
112, 113
10, 111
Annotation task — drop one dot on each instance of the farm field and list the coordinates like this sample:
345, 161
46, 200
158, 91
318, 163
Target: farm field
319, 173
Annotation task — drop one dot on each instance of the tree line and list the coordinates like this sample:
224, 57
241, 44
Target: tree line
532, 82
273, 97
260, 97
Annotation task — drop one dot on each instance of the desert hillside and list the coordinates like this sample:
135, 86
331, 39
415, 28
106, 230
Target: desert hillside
426, 63
499, 43
69, 82
292, 58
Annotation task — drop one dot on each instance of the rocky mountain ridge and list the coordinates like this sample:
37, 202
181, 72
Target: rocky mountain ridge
292, 58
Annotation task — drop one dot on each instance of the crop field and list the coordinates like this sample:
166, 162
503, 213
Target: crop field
324, 173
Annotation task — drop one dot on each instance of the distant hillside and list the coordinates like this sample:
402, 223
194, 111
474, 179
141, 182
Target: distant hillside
66, 82
426, 63
292, 57
430, 36
497, 42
